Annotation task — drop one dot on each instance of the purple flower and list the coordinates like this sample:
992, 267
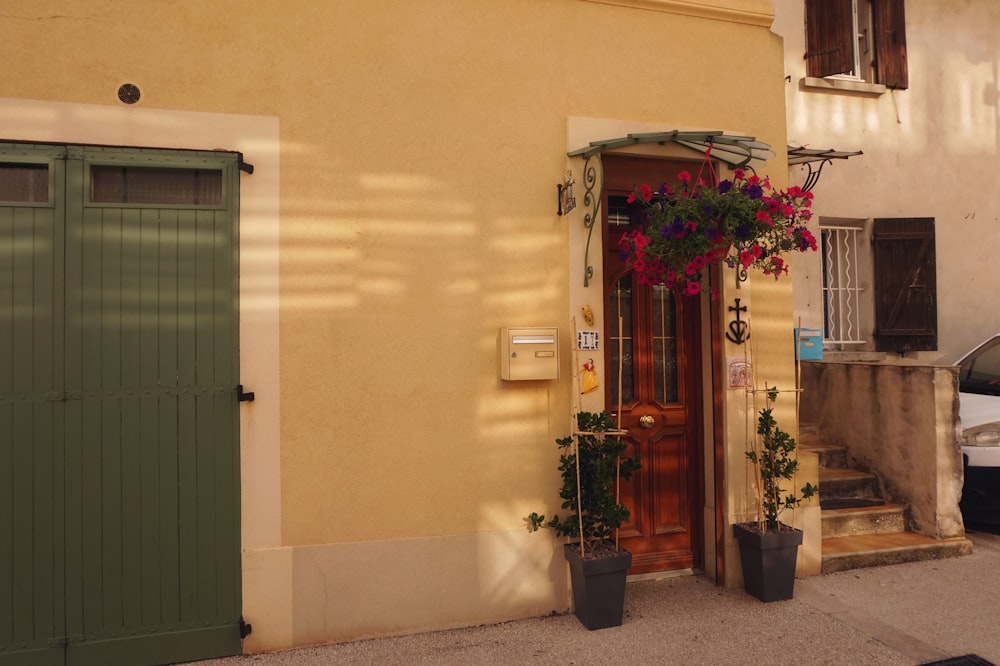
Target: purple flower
725, 186
753, 191
742, 231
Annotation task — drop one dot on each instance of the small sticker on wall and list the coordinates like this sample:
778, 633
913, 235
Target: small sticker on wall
740, 373
587, 340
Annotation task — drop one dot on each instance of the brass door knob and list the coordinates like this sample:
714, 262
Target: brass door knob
647, 421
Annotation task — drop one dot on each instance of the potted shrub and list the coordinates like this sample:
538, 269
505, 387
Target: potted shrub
768, 547
591, 463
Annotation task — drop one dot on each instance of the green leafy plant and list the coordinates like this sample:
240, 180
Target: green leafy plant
745, 222
590, 471
774, 463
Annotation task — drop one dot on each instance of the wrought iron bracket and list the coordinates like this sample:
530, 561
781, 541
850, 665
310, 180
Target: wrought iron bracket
245, 166
593, 180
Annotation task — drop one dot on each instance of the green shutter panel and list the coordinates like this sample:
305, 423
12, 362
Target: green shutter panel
905, 285
890, 43
829, 37
31, 409
152, 437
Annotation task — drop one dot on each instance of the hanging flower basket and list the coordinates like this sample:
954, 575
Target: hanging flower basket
744, 222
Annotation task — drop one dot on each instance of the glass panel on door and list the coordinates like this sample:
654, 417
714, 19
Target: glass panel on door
620, 326
664, 345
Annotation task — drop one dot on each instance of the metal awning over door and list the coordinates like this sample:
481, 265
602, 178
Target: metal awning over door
737, 151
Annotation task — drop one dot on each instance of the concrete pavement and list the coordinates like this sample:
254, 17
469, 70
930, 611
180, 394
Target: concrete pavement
897, 615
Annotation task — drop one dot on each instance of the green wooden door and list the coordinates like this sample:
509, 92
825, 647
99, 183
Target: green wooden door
125, 442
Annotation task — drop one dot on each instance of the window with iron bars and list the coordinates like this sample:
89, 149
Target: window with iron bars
846, 279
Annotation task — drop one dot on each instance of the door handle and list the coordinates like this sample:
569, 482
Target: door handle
646, 421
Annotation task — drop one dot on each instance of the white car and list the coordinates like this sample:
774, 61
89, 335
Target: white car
979, 408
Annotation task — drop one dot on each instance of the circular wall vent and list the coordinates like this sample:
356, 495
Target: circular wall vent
129, 93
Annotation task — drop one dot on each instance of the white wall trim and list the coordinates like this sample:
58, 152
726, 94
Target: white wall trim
257, 137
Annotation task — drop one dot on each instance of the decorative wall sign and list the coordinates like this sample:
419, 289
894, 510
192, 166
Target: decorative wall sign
567, 200
739, 373
737, 332
588, 340
588, 381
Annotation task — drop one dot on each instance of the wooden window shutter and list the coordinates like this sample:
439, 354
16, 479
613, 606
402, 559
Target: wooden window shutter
905, 284
890, 43
829, 38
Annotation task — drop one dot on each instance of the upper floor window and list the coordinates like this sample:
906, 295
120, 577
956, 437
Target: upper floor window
864, 40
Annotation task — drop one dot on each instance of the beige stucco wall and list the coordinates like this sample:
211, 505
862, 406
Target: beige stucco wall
929, 151
402, 210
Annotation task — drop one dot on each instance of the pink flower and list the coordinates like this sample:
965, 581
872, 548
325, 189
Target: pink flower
762, 216
692, 289
684, 177
739, 173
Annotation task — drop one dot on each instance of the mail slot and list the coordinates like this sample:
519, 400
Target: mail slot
529, 353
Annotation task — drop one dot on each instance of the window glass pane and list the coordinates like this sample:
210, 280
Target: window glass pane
24, 182
620, 305
618, 211
664, 345
980, 373
155, 185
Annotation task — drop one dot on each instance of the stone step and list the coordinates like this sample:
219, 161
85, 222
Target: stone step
874, 550
847, 483
830, 455
883, 519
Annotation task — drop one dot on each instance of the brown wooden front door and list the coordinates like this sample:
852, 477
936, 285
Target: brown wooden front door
656, 337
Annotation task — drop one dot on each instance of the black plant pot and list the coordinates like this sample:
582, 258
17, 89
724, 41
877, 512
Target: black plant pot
598, 587
768, 560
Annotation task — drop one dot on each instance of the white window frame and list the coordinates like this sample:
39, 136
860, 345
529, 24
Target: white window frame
848, 308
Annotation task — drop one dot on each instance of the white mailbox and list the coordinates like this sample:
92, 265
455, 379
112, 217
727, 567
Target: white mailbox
529, 353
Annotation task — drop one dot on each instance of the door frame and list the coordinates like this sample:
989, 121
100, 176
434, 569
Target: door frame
257, 137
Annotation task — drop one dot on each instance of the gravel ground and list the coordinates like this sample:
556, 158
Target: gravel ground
897, 615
